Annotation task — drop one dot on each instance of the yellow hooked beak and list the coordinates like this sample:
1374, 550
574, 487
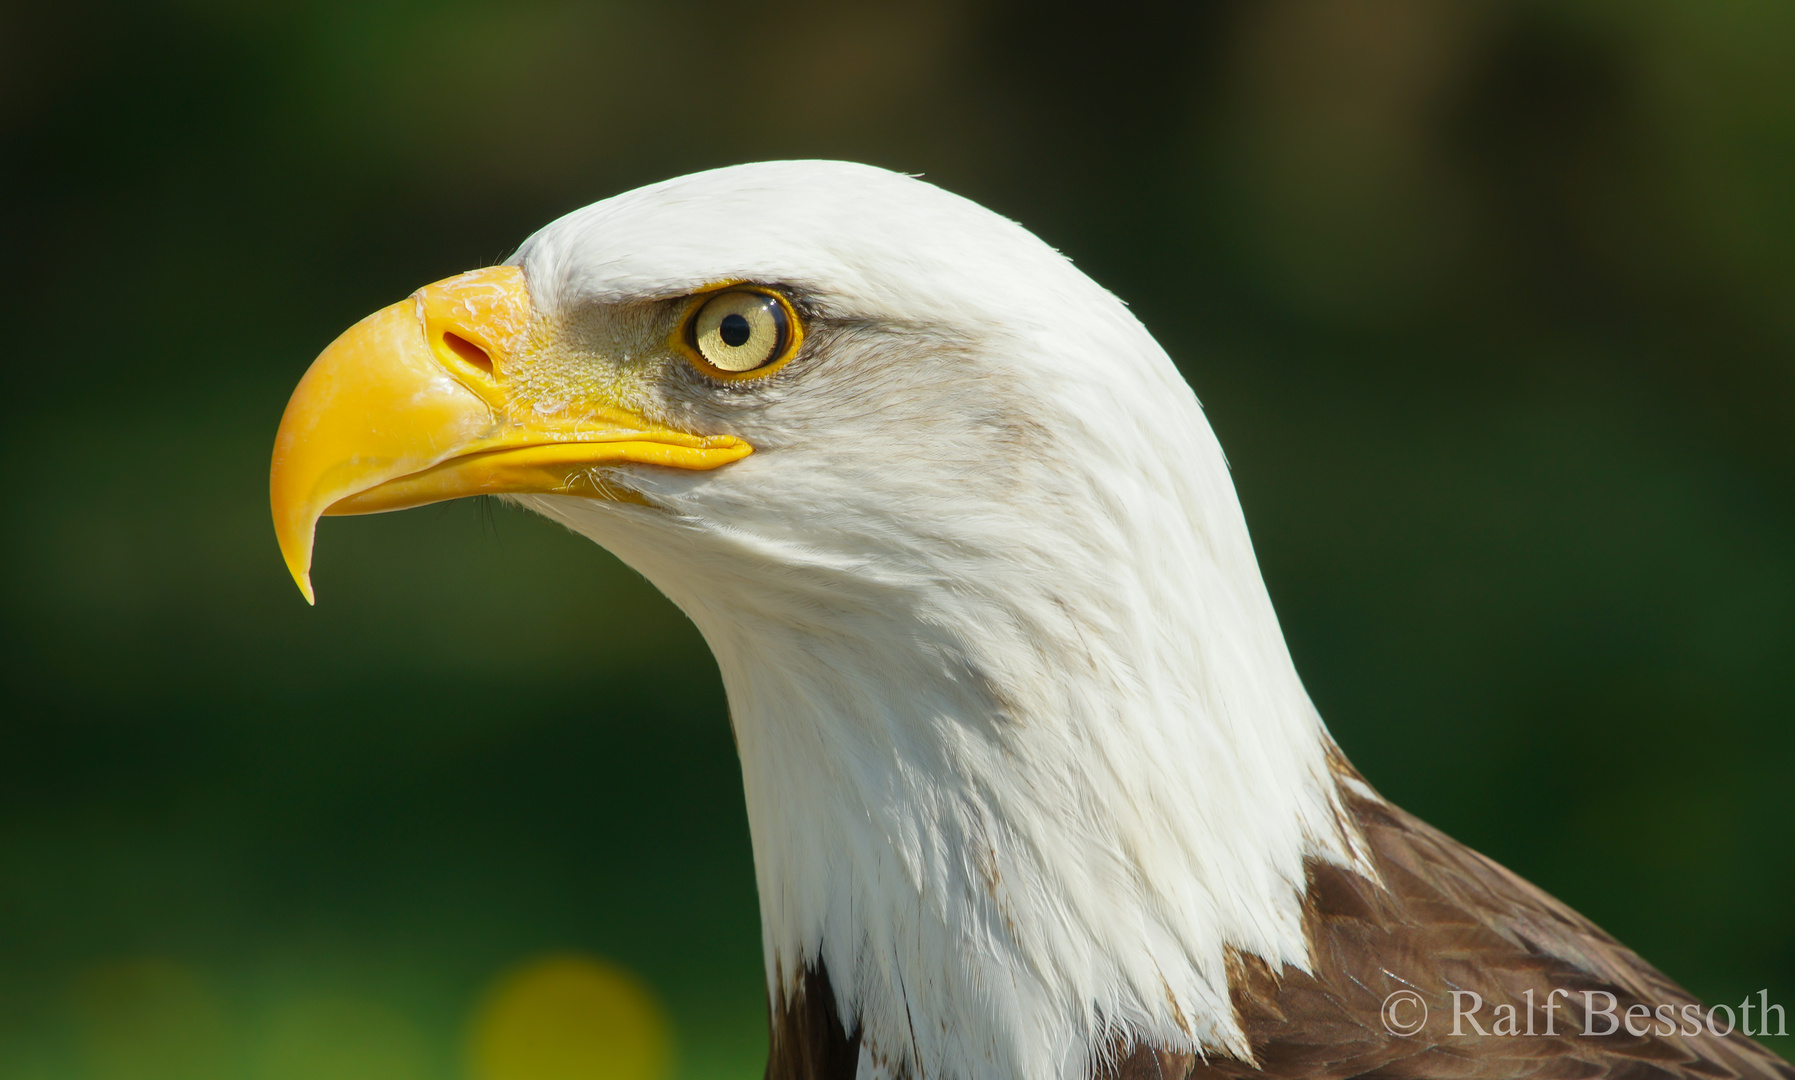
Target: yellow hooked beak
412, 406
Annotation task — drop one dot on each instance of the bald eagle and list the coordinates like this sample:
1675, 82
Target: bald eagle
1035, 790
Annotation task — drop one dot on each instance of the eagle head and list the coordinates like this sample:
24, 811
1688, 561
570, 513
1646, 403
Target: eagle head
1025, 757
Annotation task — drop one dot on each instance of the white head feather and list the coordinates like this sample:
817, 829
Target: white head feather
1023, 748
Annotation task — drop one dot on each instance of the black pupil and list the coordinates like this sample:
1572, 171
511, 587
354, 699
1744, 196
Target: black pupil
734, 331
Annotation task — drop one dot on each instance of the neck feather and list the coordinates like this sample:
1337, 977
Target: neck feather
1051, 836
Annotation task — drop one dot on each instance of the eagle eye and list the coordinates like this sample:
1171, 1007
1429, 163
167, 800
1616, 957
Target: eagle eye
741, 332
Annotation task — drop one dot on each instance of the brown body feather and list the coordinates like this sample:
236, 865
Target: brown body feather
1442, 918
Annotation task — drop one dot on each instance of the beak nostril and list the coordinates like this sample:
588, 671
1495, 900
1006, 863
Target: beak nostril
468, 351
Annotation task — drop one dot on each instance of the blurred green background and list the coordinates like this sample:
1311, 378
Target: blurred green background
1492, 305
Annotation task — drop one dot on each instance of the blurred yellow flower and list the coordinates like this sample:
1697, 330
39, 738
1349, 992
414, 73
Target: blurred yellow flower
568, 1017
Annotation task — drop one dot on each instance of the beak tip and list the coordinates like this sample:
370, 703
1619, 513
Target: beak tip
302, 577
296, 552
